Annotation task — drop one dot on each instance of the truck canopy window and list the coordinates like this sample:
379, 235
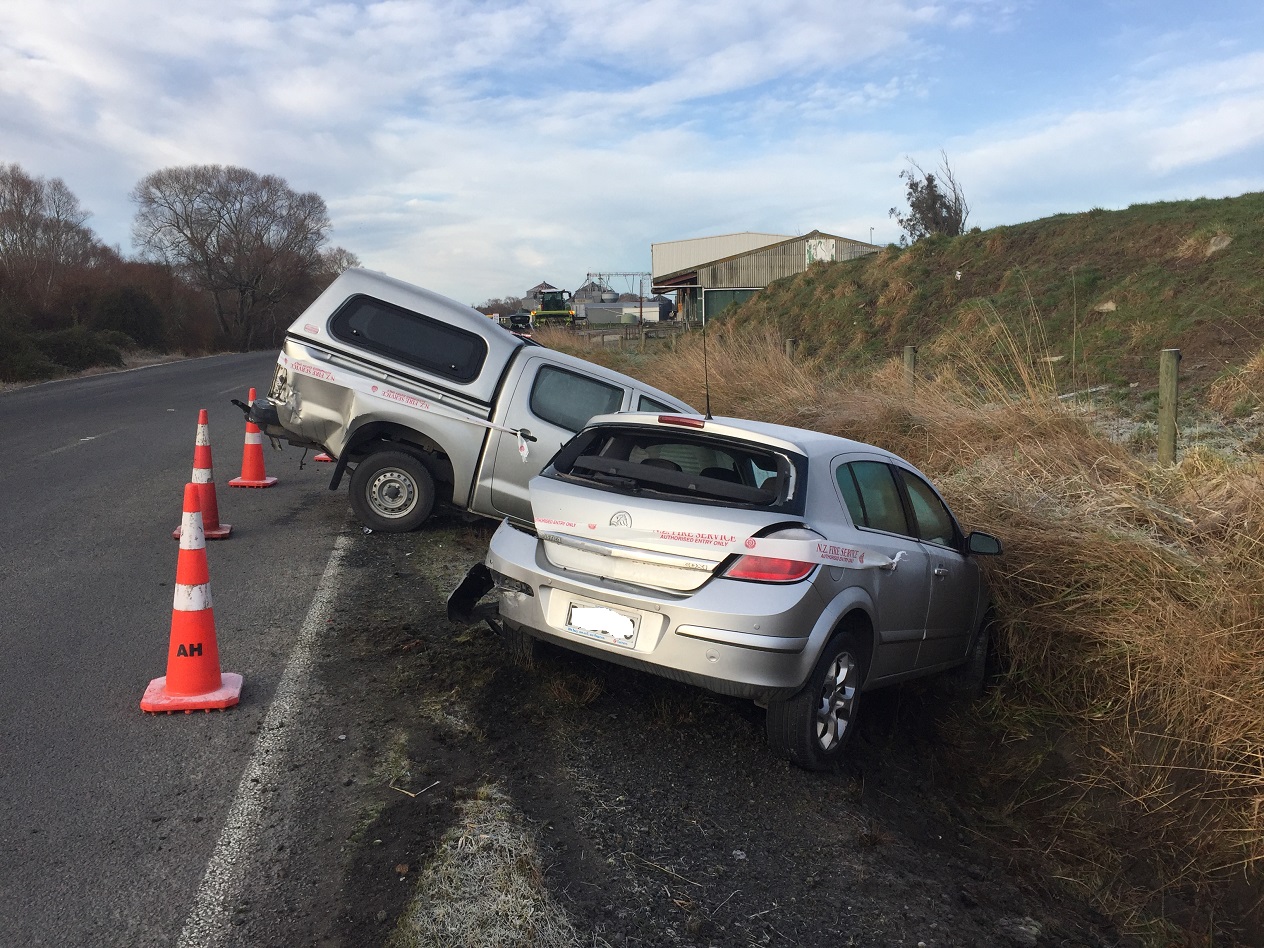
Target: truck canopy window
410, 337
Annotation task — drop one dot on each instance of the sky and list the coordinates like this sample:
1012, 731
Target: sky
478, 148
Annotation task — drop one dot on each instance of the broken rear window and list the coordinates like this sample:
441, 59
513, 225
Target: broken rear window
684, 465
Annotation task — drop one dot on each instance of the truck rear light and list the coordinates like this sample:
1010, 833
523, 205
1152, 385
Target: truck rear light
768, 569
683, 420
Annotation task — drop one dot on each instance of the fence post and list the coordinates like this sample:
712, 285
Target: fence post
1168, 360
791, 345
910, 364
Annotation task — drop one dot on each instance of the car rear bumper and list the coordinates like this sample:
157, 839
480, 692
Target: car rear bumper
737, 638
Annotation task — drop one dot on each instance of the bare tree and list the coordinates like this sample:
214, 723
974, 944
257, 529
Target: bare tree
248, 240
937, 205
336, 259
42, 236
502, 307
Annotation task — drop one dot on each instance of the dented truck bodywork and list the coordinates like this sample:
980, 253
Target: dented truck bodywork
427, 401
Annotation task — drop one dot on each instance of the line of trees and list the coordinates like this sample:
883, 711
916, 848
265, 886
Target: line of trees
226, 258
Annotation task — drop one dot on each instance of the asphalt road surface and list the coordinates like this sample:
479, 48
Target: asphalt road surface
117, 827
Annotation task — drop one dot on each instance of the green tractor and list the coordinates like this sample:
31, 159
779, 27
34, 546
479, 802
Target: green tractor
556, 309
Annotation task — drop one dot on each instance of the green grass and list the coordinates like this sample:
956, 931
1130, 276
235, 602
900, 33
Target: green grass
1156, 263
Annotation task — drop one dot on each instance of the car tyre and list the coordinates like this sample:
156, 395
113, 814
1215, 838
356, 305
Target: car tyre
971, 678
392, 491
812, 727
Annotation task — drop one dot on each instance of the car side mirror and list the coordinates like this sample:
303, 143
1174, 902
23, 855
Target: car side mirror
983, 544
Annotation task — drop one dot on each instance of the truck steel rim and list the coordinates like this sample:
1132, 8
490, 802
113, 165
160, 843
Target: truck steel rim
393, 494
838, 700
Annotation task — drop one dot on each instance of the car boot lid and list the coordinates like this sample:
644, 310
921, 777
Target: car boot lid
675, 546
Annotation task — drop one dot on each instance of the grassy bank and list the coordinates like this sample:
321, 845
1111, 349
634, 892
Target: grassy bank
1129, 727
1112, 288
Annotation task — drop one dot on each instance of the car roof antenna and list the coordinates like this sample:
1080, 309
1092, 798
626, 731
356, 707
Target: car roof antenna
706, 377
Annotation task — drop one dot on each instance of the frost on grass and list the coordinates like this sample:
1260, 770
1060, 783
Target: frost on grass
484, 887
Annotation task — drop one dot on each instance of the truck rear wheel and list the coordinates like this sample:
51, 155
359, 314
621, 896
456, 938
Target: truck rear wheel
392, 491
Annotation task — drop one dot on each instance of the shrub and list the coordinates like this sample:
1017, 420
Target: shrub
77, 349
20, 360
131, 311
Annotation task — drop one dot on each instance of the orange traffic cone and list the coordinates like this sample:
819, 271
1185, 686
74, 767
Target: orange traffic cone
325, 458
252, 472
193, 678
204, 478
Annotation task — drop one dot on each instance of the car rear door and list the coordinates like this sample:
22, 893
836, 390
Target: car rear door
901, 596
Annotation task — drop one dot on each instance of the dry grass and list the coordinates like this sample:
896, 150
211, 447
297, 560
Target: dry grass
1131, 596
1242, 390
484, 887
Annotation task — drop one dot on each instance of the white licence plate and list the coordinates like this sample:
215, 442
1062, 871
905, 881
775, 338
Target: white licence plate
603, 624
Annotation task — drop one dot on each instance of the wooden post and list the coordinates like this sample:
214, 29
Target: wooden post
910, 364
791, 345
1168, 360
642, 346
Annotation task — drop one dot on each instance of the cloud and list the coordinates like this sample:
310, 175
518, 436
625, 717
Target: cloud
478, 147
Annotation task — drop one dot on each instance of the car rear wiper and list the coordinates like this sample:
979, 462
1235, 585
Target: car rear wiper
614, 480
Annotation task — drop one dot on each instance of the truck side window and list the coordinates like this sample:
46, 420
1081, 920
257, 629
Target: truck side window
568, 400
410, 337
645, 403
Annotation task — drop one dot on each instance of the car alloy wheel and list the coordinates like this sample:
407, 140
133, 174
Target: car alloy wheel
812, 727
837, 705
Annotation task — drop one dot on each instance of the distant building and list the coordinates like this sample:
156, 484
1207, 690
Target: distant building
710, 273
594, 292
537, 291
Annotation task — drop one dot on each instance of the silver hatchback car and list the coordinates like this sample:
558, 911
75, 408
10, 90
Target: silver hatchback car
791, 567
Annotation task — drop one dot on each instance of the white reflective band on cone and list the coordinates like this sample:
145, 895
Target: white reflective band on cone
357, 384
254, 437
202, 475
192, 598
822, 551
203, 438
192, 535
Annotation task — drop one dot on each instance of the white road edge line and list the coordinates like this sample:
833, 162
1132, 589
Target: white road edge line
210, 919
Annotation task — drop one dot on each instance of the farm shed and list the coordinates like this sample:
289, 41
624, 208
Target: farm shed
711, 273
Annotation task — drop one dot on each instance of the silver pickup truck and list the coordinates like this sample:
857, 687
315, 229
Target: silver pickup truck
428, 401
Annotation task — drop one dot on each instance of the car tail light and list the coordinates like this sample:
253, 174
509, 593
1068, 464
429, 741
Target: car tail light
768, 569
683, 420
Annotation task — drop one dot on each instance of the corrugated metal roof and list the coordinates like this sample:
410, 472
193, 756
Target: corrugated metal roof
672, 256
760, 266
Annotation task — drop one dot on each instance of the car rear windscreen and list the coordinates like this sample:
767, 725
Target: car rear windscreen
684, 465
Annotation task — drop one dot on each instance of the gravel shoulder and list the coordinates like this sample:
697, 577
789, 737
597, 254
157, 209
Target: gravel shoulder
638, 811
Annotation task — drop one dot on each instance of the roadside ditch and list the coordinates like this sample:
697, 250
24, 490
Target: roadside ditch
579, 803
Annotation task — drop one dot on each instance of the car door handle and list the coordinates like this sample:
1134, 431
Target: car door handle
941, 571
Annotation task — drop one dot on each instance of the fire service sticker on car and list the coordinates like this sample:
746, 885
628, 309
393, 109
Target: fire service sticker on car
804, 551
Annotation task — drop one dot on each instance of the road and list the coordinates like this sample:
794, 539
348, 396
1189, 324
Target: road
111, 816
